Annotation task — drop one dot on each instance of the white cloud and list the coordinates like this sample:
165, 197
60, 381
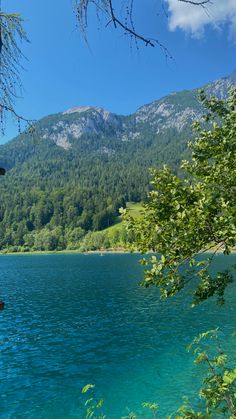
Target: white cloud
194, 19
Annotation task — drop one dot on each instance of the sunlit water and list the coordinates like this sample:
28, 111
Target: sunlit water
70, 320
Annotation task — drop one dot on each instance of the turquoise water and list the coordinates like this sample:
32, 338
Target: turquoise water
76, 319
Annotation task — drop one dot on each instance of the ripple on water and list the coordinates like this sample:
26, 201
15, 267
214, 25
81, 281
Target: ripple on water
71, 320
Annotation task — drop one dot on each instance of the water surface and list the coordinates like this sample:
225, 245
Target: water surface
76, 319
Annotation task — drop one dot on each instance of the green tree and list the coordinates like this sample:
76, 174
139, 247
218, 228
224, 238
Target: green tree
219, 385
186, 216
103, 219
73, 237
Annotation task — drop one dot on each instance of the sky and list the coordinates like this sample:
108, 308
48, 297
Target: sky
62, 71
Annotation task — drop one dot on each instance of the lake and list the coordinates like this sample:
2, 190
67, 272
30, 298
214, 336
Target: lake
76, 319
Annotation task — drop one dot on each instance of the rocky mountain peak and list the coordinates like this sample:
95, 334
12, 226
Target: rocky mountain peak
91, 110
84, 120
77, 109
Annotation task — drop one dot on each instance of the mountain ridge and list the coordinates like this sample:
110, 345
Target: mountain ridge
92, 119
69, 178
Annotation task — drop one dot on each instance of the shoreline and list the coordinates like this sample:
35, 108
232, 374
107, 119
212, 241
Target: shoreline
102, 252
56, 252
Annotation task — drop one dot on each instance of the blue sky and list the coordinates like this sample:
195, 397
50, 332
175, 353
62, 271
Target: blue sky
61, 71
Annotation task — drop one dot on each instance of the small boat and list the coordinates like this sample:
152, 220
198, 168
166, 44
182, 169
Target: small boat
2, 304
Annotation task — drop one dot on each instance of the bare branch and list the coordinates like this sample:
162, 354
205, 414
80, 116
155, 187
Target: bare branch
106, 7
11, 33
128, 30
196, 3
19, 118
13, 112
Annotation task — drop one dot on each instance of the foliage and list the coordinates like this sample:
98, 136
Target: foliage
153, 407
12, 34
93, 405
185, 217
219, 385
52, 219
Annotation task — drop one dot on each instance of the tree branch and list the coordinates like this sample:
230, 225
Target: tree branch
106, 7
130, 31
1, 43
196, 3
12, 110
5, 108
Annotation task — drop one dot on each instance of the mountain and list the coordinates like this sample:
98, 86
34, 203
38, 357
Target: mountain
79, 166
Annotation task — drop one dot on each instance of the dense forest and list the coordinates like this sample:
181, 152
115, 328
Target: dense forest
67, 179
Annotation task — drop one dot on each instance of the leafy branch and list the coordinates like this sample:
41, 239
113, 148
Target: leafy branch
183, 218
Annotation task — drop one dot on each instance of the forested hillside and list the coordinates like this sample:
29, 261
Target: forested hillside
70, 177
